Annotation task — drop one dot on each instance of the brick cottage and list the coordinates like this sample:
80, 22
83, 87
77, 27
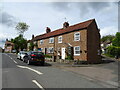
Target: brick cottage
78, 42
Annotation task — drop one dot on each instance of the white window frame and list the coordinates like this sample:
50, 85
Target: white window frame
41, 49
60, 39
75, 37
35, 42
51, 40
41, 41
48, 50
28, 44
76, 50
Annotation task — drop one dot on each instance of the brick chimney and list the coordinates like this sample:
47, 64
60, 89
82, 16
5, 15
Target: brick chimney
65, 25
32, 36
48, 30
6, 39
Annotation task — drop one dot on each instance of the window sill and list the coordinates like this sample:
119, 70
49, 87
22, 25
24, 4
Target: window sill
76, 54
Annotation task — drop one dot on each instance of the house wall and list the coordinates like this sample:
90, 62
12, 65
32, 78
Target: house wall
67, 39
93, 44
45, 44
8, 49
89, 44
1, 50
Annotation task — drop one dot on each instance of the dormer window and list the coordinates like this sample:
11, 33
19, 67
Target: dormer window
51, 40
77, 36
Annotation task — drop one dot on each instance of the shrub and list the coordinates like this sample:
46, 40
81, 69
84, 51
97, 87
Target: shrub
69, 58
113, 50
48, 56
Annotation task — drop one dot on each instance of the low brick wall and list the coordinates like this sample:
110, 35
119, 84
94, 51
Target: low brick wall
65, 61
49, 59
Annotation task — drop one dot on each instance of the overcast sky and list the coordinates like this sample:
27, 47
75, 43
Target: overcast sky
39, 15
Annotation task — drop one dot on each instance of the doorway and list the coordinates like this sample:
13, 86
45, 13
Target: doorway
63, 53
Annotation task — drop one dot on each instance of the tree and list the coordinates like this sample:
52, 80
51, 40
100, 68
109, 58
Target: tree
21, 27
116, 41
107, 38
19, 43
31, 47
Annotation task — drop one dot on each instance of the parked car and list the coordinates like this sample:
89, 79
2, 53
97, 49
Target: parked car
21, 54
34, 57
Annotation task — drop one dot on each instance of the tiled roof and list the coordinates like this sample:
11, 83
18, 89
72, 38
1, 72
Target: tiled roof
78, 26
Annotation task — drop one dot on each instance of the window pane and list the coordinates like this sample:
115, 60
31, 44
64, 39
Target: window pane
77, 48
77, 52
77, 36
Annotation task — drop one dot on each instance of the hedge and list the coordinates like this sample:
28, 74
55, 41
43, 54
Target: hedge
48, 56
113, 50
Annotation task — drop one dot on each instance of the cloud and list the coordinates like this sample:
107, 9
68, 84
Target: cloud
83, 7
111, 30
3, 37
7, 19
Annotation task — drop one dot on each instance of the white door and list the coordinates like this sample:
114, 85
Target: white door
63, 53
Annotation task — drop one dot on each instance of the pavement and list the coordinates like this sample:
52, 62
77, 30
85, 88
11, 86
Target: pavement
106, 72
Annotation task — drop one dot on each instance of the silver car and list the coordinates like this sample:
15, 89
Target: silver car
21, 54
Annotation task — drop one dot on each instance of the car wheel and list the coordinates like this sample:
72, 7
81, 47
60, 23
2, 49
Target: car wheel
42, 63
20, 58
23, 59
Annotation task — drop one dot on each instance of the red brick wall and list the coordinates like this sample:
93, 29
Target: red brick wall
68, 38
89, 43
93, 43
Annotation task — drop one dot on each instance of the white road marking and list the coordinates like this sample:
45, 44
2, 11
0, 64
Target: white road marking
30, 69
12, 59
40, 86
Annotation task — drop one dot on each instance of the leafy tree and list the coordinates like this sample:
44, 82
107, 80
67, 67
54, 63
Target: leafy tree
31, 46
116, 41
113, 50
21, 27
107, 38
19, 43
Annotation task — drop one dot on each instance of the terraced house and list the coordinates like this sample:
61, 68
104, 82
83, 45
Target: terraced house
78, 42
9, 46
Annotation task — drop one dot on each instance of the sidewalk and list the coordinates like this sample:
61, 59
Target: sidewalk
92, 72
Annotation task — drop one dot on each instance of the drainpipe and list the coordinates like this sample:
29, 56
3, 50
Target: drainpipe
54, 57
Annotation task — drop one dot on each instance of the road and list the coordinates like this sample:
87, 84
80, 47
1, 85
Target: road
17, 74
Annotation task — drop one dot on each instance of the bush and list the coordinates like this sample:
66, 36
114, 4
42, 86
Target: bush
69, 58
48, 56
113, 51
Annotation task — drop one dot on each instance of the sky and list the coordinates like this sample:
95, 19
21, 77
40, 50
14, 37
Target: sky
39, 15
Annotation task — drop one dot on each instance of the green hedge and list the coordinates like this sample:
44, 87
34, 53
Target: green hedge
113, 50
48, 56
69, 58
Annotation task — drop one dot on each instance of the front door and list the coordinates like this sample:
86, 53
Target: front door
63, 53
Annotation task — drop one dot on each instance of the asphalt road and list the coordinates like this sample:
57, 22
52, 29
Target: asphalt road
17, 74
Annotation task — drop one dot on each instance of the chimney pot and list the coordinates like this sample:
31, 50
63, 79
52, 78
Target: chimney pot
48, 30
65, 25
